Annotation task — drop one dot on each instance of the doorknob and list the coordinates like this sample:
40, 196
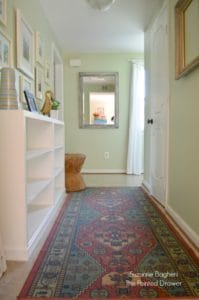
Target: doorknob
150, 121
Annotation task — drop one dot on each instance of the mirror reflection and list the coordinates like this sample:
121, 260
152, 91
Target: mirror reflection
98, 100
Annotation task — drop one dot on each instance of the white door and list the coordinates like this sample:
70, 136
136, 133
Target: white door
158, 121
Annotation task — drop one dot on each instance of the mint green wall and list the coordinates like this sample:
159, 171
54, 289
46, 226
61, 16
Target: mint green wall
184, 140
94, 142
32, 12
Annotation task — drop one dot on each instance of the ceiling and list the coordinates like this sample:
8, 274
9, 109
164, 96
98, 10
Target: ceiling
79, 28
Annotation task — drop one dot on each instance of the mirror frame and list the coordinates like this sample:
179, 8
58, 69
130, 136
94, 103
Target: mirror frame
100, 74
182, 68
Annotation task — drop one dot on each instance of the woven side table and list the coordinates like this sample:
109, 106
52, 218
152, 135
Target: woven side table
73, 164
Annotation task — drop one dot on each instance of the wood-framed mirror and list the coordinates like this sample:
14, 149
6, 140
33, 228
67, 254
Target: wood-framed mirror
187, 36
98, 100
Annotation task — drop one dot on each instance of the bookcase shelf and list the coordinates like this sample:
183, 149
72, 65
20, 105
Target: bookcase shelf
35, 187
31, 178
36, 215
30, 154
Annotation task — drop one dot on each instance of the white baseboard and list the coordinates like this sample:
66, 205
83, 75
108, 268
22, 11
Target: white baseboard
147, 186
16, 254
191, 234
104, 171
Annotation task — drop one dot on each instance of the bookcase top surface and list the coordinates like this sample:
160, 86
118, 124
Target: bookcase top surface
30, 115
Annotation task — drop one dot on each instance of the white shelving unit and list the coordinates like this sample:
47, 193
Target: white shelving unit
32, 185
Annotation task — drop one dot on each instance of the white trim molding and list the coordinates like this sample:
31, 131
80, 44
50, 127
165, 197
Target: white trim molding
146, 186
191, 234
104, 171
57, 77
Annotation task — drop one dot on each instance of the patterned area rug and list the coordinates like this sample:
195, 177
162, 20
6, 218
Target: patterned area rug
112, 243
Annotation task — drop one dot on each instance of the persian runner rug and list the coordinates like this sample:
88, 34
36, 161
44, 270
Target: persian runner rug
112, 243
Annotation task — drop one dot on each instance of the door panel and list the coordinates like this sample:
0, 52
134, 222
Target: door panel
159, 106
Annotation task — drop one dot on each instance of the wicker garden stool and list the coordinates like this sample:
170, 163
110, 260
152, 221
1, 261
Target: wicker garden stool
73, 165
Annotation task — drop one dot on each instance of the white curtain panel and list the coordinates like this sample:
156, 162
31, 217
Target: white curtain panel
135, 156
2, 259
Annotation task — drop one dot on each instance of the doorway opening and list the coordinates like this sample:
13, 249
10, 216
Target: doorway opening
135, 156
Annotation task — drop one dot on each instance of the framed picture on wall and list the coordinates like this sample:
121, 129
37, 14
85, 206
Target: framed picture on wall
39, 82
27, 84
30, 99
186, 36
47, 73
5, 50
25, 46
39, 48
3, 12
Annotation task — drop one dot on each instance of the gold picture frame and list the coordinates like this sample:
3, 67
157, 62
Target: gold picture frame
186, 36
3, 12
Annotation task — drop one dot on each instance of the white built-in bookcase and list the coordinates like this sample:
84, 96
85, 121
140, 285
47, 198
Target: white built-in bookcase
32, 185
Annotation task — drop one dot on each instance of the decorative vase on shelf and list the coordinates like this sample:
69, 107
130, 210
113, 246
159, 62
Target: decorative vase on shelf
8, 93
54, 113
